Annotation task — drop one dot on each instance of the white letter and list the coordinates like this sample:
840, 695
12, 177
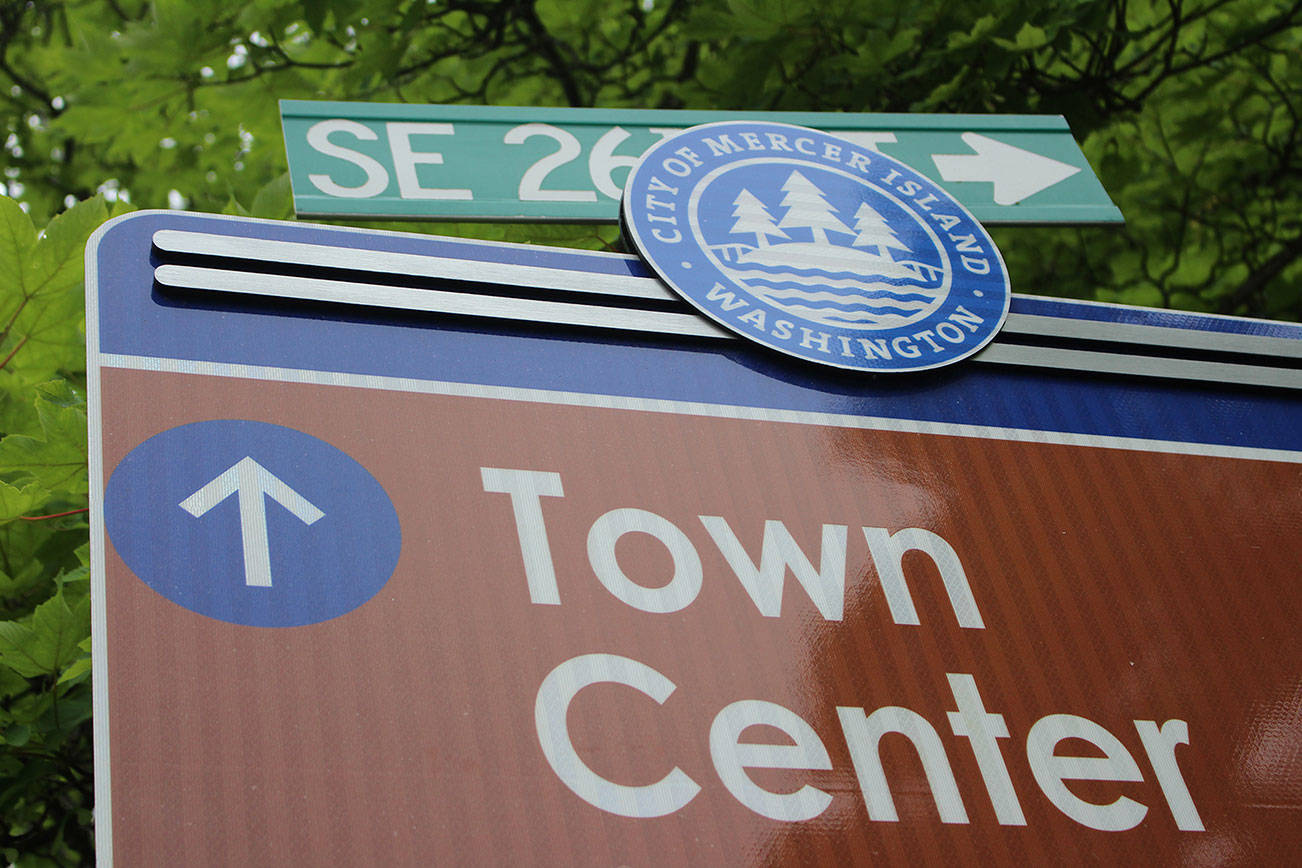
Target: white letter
873, 349
405, 160
675, 166
1160, 746
731, 759
525, 488
904, 347
318, 136
808, 340
950, 332
826, 586
1050, 771
863, 735
725, 145
680, 590
982, 729
888, 552
690, 156
858, 161
558, 689
966, 318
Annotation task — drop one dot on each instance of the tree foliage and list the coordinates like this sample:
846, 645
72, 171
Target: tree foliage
45, 772
1187, 109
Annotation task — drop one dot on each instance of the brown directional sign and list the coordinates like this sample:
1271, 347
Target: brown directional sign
544, 594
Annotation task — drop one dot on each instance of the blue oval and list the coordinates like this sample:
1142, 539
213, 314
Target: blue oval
332, 535
816, 247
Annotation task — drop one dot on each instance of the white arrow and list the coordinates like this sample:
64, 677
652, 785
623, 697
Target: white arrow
251, 481
1016, 173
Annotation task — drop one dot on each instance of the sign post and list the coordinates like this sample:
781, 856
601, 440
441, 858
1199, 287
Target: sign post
409, 550
373, 160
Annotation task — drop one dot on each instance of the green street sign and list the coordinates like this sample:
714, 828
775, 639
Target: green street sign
387, 160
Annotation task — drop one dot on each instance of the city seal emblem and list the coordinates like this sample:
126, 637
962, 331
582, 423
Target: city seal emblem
816, 247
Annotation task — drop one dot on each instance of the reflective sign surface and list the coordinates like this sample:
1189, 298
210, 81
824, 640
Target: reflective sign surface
524, 163
662, 602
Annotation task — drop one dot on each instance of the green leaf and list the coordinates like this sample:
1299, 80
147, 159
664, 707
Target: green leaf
1028, 38
57, 459
11, 684
74, 576
80, 668
17, 649
18, 735
56, 262
981, 28
50, 642
17, 238
274, 201
76, 670
40, 280
30, 573
234, 208
16, 501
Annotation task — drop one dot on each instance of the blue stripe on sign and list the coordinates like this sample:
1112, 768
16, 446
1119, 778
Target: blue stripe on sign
137, 320
1151, 317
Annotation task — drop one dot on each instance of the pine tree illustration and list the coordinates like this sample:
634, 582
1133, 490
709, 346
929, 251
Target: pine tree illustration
752, 216
875, 232
807, 209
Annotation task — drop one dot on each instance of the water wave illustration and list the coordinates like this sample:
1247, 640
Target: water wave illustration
883, 319
821, 291
856, 303
829, 276
869, 297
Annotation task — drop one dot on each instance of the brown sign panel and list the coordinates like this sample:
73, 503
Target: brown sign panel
638, 634
381, 587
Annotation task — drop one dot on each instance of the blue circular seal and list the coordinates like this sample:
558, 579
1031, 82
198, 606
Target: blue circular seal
816, 247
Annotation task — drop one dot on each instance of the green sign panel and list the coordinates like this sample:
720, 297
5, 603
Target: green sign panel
387, 160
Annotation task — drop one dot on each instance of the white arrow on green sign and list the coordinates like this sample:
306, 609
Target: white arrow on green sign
386, 160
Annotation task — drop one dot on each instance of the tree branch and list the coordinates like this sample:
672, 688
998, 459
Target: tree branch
1260, 277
